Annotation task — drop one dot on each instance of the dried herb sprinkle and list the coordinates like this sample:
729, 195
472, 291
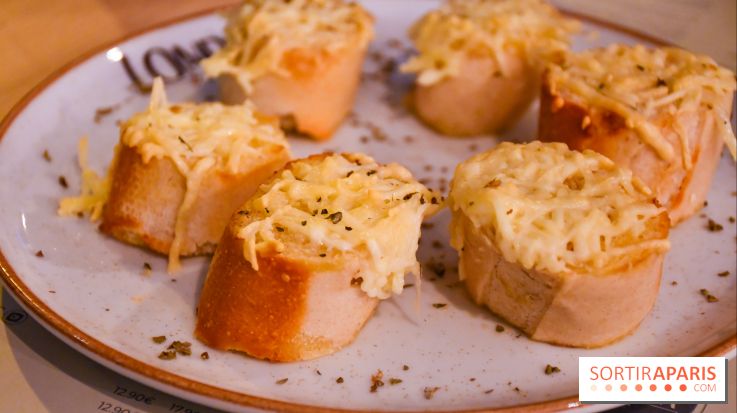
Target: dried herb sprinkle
709, 297
551, 369
335, 217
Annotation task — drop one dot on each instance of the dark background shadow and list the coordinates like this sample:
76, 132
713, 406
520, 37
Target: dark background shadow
67, 381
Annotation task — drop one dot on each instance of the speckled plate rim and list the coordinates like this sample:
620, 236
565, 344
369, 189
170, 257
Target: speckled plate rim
167, 381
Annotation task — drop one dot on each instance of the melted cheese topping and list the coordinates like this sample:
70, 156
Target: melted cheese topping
262, 32
639, 83
343, 203
198, 138
94, 191
553, 209
499, 29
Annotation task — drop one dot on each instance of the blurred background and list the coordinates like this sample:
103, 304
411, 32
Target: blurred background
39, 36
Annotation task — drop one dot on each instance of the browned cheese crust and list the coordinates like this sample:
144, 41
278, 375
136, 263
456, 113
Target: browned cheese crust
565, 118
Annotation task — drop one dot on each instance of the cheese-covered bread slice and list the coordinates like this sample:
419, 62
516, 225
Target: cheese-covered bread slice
297, 59
480, 61
661, 112
181, 170
304, 262
562, 244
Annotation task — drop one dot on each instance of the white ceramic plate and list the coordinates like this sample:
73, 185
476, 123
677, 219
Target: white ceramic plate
90, 291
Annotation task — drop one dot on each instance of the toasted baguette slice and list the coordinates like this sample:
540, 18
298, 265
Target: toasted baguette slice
674, 147
181, 170
479, 99
297, 306
300, 61
479, 62
145, 199
583, 309
561, 244
313, 98
303, 264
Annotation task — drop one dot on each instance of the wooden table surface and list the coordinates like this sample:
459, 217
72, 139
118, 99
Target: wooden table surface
39, 36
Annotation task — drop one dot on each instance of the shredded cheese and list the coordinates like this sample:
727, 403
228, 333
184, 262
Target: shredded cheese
550, 208
262, 33
640, 83
94, 191
498, 29
197, 138
343, 203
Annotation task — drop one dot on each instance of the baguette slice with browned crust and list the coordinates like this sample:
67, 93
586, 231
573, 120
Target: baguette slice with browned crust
297, 306
479, 99
561, 244
181, 170
297, 60
303, 264
313, 98
145, 198
660, 112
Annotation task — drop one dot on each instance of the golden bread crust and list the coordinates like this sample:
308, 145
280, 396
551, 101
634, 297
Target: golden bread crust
304, 301
291, 309
586, 310
145, 197
318, 93
257, 312
479, 99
